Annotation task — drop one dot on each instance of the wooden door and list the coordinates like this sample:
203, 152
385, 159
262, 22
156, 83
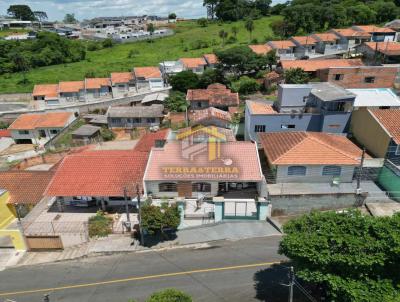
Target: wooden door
44, 243
185, 189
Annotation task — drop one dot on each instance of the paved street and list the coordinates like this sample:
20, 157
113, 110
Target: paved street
222, 271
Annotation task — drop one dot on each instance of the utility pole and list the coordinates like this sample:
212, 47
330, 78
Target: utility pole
359, 176
140, 216
128, 219
291, 284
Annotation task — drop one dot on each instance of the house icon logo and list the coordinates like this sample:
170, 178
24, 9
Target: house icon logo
200, 139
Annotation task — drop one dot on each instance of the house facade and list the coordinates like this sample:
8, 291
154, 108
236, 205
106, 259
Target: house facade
285, 49
122, 83
328, 43
319, 107
96, 88
148, 78
378, 34
39, 128
73, 91
376, 53
196, 65
137, 116
216, 95
351, 37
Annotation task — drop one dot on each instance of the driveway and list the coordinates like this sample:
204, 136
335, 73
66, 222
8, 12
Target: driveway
234, 230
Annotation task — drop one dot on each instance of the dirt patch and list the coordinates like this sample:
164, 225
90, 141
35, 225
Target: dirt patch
49, 159
17, 148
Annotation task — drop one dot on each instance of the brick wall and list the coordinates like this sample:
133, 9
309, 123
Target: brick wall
354, 77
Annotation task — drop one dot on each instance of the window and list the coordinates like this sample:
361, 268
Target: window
331, 171
384, 107
339, 76
116, 120
23, 132
397, 150
54, 131
369, 79
167, 187
297, 171
201, 187
151, 120
286, 126
259, 128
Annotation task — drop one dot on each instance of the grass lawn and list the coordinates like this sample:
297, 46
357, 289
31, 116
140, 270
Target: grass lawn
104, 61
12, 31
66, 138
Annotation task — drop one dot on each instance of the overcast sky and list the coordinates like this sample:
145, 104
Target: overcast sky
56, 9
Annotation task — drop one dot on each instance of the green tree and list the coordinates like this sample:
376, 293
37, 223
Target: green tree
107, 43
271, 58
70, 19
208, 77
351, 256
361, 14
172, 16
184, 80
249, 25
21, 64
155, 220
278, 8
21, 12
176, 102
262, 6
223, 35
203, 22
151, 28
296, 76
385, 11
170, 295
40, 16
245, 85
210, 5
235, 31
107, 134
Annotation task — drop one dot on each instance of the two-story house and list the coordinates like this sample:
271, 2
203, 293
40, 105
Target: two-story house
318, 107
148, 78
122, 83
284, 49
305, 45
351, 37
378, 34
328, 43
38, 128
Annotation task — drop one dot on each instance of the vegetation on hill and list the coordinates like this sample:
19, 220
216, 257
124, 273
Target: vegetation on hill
305, 16
348, 256
233, 10
190, 40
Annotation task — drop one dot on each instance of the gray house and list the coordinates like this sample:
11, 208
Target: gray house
131, 117
319, 107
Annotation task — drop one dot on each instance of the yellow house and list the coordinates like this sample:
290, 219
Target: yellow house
6, 214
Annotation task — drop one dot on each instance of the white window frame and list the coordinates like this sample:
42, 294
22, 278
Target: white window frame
397, 152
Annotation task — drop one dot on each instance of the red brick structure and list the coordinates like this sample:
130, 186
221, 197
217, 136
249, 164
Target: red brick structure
360, 76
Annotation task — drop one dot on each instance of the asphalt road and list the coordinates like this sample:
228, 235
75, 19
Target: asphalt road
224, 271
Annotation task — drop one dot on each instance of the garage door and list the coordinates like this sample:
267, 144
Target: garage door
240, 210
44, 242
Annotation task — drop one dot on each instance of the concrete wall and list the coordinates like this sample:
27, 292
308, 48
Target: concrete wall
368, 132
293, 96
298, 204
354, 77
390, 181
6, 215
335, 122
129, 125
313, 175
152, 188
15, 97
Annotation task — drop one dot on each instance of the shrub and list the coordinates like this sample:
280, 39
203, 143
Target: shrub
199, 44
100, 225
184, 80
133, 53
92, 46
107, 43
245, 85
170, 295
203, 22
176, 102
231, 40
107, 134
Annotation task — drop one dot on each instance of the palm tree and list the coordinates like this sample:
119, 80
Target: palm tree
249, 25
223, 34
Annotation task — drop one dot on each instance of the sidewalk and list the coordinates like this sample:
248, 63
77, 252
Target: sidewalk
235, 230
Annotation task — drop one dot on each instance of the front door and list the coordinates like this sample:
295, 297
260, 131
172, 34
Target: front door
42, 133
185, 189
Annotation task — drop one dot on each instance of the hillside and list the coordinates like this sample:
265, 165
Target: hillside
104, 61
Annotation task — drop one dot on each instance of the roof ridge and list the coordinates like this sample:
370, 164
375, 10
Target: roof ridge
328, 145
300, 142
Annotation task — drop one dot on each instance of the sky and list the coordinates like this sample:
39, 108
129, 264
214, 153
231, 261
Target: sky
87, 9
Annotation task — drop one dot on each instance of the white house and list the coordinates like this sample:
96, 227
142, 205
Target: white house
148, 78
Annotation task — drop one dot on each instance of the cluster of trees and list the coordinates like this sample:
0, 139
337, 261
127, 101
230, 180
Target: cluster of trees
304, 16
24, 12
156, 220
233, 10
46, 49
350, 257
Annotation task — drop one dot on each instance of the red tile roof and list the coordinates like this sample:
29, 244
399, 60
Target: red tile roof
73, 86
305, 40
41, 120
352, 33
147, 141
309, 148
261, 108
46, 90
147, 72
121, 77
215, 94
314, 65
200, 131
193, 62
388, 48
25, 187
97, 83
390, 119
102, 174
375, 29
239, 156
200, 115
211, 58
282, 44
326, 37
262, 49
5, 133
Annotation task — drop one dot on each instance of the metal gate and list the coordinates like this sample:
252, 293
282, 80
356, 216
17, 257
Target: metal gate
44, 243
241, 210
